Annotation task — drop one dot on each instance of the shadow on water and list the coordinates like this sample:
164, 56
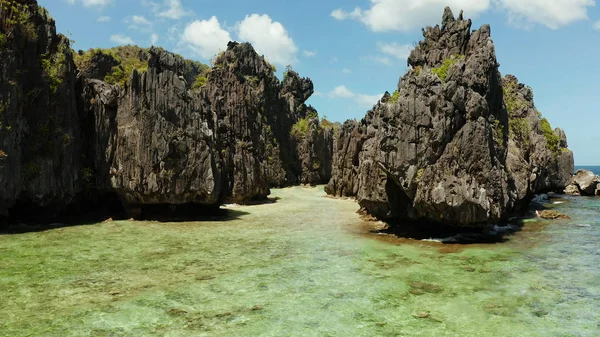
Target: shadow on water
487, 234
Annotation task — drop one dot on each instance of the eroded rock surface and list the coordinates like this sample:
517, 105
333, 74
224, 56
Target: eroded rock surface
436, 150
584, 182
146, 126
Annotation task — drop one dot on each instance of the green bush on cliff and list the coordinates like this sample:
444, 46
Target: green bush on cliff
200, 82
551, 138
17, 14
519, 130
395, 97
442, 71
511, 100
53, 65
300, 128
326, 124
128, 57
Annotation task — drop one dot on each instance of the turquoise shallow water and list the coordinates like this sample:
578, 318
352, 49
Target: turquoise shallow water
303, 266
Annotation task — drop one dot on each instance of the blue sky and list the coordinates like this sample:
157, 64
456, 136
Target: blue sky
355, 50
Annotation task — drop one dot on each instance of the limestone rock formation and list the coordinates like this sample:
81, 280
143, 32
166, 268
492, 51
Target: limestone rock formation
584, 182
436, 149
145, 126
40, 135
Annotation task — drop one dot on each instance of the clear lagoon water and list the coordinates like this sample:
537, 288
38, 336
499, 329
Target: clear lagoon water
306, 265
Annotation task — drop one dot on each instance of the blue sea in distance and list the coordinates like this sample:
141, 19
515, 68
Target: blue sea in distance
595, 169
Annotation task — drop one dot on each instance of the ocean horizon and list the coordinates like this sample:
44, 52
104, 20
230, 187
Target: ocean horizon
593, 168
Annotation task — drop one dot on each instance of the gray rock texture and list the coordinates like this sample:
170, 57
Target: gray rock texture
40, 134
437, 150
586, 183
147, 126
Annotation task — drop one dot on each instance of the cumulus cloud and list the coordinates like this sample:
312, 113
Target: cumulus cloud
407, 15
121, 39
346, 71
153, 39
103, 19
170, 9
206, 38
553, 14
91, 3
596, 25
140, 20
269, 38
360, 99
399, 51
308, 53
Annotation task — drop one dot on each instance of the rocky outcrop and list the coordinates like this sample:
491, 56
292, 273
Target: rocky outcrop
146, 126
166, 141
538, 157
584, 182
40, 134
436, 149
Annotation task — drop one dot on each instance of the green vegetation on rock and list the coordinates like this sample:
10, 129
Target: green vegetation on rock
511, 100
54, 68
200, 81
128, 57
519, 130
300, 128
395, 97
16, 14
551, 138
442, 71
499, 133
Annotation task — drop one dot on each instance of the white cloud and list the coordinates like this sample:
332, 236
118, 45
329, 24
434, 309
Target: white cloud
317, 93
121, 39
401, 52
140, 20
91, 3
269, 38
153, 39
360, 99
382, 59
103, 19
308, 53
172, 10
346, 71
406, 15
553, 14
596, 25
206, 38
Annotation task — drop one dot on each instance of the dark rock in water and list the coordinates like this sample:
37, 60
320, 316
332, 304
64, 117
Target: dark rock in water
148, 127
586, 181
551, 215
436, 150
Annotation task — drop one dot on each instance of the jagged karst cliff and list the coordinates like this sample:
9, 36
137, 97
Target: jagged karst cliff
146, 127
455, 144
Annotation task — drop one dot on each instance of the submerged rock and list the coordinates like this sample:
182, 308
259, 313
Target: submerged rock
443, 148
551, 215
